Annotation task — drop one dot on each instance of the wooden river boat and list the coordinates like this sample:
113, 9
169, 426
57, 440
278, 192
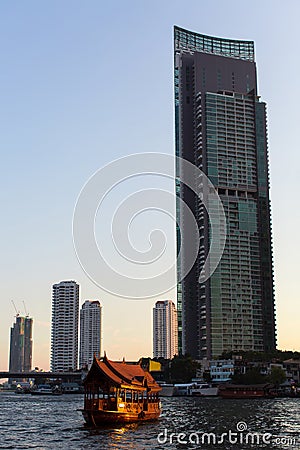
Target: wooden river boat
118, 392
247, 391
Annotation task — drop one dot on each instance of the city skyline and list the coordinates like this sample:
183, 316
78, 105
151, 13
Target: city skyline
65, 297
63, 86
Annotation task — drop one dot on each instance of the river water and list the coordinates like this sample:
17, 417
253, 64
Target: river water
54, 423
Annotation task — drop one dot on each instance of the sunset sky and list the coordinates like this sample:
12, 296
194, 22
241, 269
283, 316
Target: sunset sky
84, 83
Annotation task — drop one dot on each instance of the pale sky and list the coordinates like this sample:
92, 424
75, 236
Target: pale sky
84, 83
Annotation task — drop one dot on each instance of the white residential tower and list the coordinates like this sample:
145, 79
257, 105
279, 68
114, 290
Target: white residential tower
64, 333
165, 330
90, 332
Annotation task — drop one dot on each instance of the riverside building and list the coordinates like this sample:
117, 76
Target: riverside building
20, 356
165, 330
221, 127
64, 329
90, 332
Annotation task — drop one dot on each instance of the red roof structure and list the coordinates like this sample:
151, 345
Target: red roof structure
120, 375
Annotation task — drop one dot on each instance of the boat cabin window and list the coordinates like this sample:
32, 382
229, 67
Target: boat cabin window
90, 394
102, 394
152, 398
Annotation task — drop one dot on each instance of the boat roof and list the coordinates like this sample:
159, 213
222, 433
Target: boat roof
120, 374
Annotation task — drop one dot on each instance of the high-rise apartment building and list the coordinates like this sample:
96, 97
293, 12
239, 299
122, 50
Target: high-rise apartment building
64, 332
20, 358
90, 332
165, 330
221, 127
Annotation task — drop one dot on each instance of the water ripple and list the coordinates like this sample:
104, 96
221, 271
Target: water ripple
54, 423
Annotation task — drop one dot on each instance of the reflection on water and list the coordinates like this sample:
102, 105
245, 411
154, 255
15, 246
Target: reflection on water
54, 423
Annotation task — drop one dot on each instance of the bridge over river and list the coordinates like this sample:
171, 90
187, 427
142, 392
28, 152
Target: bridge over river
70, 377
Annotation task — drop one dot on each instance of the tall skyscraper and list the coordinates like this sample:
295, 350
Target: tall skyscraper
165, 330
221, 128
20, 358
90, 332
64, 332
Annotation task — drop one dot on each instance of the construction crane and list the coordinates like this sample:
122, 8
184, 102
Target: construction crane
17, 312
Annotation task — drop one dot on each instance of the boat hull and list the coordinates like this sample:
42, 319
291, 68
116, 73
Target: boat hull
245, 391
98, 418
167, 390
45, 393
207, 392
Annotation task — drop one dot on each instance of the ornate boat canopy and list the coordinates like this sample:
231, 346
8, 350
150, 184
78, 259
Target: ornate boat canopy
104, 372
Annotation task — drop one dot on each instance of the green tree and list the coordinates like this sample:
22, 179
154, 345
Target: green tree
277, 376
274, 355
252, 376
183, 369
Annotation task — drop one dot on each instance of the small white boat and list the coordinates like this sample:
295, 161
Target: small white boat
46, 389
167, 390
203, 390
183, 390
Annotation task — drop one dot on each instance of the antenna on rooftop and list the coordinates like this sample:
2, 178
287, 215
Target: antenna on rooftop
17, 312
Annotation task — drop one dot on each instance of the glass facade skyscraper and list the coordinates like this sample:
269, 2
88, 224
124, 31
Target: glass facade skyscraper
20, 357
221, 127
